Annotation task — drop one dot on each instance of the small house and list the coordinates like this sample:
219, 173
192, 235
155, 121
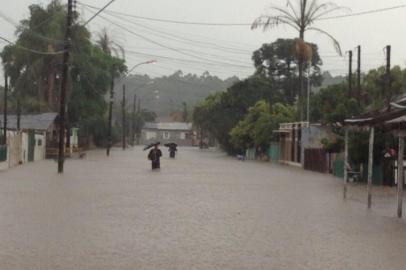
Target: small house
176, 132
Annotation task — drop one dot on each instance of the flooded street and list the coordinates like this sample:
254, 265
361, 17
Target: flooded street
201, 211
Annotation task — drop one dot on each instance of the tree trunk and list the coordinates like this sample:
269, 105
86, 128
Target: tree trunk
50, 89
301, 88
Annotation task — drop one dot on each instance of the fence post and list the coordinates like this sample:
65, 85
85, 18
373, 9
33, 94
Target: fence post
400, 175
345, 164
370, 165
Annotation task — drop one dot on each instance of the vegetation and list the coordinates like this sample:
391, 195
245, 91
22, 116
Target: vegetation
221, 112
35, 77
301, 15
174, 90
277, 62
332, 104
258, 125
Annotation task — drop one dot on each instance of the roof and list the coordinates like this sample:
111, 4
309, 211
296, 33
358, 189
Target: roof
169, 126
31, 121
378, 118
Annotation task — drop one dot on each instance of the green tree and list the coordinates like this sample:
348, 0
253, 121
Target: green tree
35, 73
331, 105
258, 126
301, 15
219, 113
377, 95
277, 62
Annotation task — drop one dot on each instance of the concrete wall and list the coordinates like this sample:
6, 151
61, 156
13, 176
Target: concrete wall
17, 149
14, 144
312, 136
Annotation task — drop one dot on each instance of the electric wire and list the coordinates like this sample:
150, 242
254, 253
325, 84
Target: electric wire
361, 13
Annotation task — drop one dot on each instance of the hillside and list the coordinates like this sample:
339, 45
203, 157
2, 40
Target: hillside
166, 94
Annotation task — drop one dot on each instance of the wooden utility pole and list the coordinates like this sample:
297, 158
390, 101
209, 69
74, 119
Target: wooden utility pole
124, 114
65, 70
370, 165
133, 120
5, 109
388, 76
110, 127
139, 115
400, 174
359, 75
18, 114
345, 163
350, 75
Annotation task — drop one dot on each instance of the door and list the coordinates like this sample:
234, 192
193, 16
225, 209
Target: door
31, 146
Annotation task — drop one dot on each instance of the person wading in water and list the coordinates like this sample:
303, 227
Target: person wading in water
155, 156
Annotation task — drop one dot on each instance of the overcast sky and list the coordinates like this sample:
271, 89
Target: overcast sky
226, 50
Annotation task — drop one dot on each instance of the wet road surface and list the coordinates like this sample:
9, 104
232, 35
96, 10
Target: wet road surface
201, 211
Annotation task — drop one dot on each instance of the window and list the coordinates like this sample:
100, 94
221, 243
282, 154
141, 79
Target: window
39, 142
166, 135
182, 135
150, 135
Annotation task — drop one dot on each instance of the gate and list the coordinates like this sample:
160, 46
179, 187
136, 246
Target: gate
316, 160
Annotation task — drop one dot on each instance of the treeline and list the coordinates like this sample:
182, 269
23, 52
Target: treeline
249, 112
167, 94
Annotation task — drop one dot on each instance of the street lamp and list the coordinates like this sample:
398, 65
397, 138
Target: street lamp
137, 65
110, 139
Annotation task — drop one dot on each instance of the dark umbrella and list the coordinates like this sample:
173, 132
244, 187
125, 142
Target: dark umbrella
151, 145
170, 144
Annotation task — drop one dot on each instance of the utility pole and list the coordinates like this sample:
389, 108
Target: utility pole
388, 76
350, 75
359, 75
5, 108
124, 127
139, 119
65, 69
308, 93
133, 120
110, 128
18, 114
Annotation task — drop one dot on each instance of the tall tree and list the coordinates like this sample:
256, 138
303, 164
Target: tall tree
301, 15
34, 72
277, 62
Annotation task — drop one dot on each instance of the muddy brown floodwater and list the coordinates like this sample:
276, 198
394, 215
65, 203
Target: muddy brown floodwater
201, 211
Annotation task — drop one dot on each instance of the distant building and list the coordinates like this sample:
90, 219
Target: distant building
177, 132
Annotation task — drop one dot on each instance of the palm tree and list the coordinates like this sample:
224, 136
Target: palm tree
109, 46
302, 17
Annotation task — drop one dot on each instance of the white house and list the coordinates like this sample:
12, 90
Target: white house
29, 143
176, 132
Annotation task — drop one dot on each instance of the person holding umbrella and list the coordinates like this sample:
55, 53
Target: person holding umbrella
154, 155
172, 149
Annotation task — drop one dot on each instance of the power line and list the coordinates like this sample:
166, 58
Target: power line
168, 36
168, 47
30, 50
169, 21
98, 12
362, 13
191, 41
12, 22
367, 12
187, 60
